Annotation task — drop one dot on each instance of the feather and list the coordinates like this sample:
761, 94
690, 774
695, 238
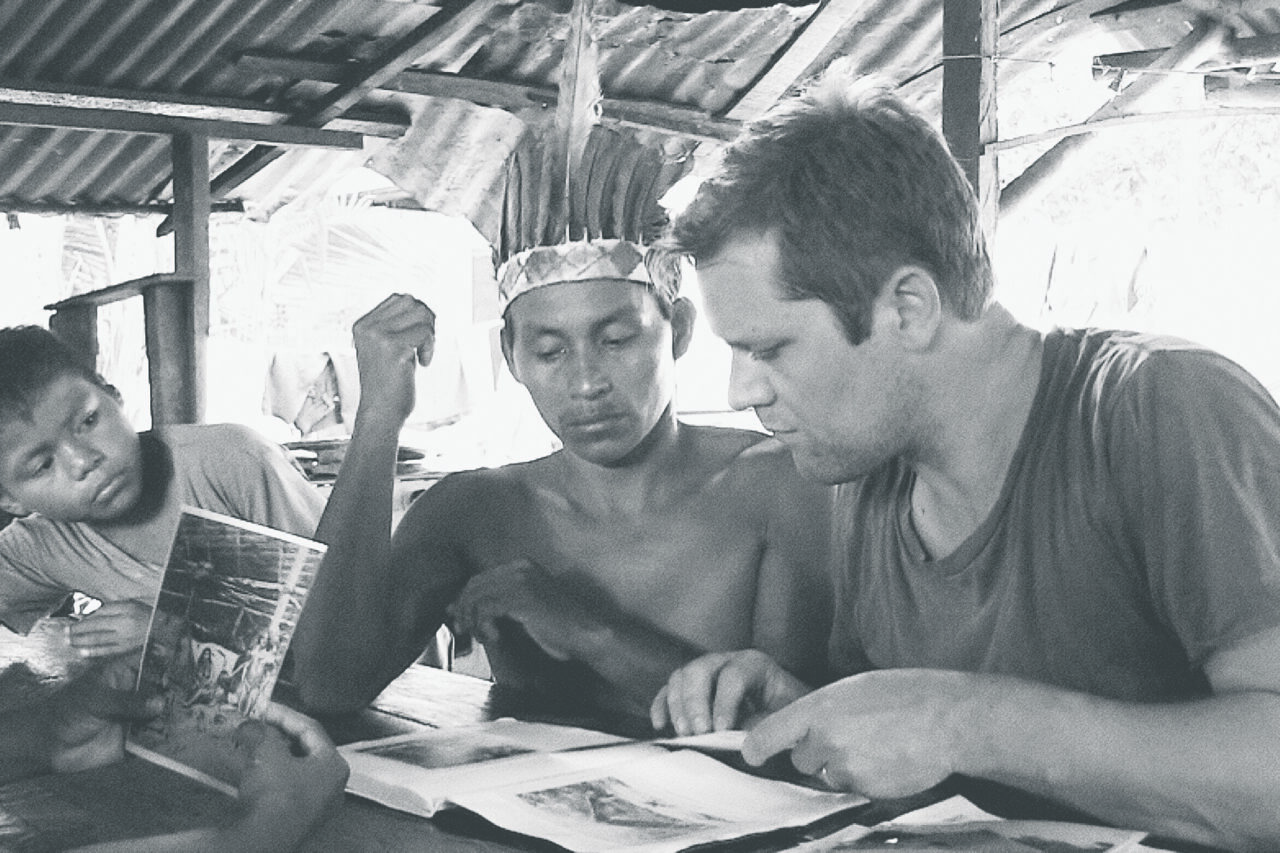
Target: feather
577, 110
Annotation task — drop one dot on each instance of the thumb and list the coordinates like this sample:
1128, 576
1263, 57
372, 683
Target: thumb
257, 739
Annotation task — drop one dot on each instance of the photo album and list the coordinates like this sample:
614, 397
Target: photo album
228, 604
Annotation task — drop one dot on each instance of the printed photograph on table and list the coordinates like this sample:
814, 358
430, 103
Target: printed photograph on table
228, 604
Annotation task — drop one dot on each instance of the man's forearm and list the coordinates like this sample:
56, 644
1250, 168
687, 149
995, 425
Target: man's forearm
342, 628
1206, 771
633, 660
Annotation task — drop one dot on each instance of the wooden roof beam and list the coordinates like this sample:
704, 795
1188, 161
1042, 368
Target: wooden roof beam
108, 209
970, 29
124, 121
791, 66
437, 29
1197, 46
1235, 53
647, 115
184, 108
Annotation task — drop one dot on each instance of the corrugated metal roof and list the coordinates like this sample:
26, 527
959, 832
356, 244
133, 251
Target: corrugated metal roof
703, 63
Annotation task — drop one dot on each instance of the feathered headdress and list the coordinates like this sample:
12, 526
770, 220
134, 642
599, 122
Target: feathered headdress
581, 200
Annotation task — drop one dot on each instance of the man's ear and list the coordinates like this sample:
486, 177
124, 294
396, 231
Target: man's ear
682, 316
505, 337
914, 306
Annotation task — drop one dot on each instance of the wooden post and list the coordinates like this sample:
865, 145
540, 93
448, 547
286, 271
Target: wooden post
178, 318
970, 29
77, 327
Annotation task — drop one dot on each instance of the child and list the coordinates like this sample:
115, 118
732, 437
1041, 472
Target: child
98, 503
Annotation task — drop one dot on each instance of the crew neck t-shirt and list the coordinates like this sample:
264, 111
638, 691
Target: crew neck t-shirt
224, 468
1137, 532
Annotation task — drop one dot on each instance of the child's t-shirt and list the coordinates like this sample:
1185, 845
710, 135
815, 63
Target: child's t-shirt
224, 468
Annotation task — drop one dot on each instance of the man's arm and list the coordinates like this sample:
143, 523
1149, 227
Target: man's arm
349, 638
293, 778
1206, 771
632, 659
794, 592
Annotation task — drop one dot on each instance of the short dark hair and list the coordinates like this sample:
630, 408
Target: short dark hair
31, 359
853, 184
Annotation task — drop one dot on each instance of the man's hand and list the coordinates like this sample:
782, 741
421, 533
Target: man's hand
398, 331
723, 690
117, 627
86, 719
549, 613
888, 733
293, 774
293, 778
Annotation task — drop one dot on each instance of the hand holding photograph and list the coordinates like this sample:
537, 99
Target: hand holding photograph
229, 601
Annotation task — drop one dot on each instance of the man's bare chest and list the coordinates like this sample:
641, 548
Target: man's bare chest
676, 569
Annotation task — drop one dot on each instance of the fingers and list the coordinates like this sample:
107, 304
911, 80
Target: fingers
659, 717
114, 628
781, 731
304, 731
488, 597
402, 320
694, 701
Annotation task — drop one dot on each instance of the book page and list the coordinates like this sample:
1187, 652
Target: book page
659, 803
956, 824
230, 598
419, 772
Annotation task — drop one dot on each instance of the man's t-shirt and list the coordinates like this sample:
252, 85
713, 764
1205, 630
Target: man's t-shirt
1137, 531
219, 467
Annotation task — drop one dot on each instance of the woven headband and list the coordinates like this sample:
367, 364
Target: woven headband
578, 261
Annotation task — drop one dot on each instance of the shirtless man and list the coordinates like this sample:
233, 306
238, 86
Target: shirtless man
592, 572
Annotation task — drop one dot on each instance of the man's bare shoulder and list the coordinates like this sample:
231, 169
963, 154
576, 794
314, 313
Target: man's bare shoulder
743, 452
479, 489
479, 502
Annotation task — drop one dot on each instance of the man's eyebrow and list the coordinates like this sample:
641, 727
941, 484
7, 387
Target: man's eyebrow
622, 315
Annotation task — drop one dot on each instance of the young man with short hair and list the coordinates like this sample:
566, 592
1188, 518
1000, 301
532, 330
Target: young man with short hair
1057, 555
590, 573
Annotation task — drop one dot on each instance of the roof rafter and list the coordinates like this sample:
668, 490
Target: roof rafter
131, 122
1202, 43
239, 115
436, 30
649, 115
810, 41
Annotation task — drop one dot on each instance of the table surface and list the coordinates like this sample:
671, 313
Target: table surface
134, 797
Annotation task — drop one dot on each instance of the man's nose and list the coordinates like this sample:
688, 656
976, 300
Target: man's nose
748, 388
588, 378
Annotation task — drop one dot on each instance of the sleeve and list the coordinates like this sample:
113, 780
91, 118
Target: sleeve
265, 486
1196, 449
26, 594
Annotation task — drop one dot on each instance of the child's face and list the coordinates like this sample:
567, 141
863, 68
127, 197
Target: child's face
77, 459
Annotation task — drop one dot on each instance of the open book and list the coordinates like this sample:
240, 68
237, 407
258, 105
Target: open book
581, 789
230, 598
956, 824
